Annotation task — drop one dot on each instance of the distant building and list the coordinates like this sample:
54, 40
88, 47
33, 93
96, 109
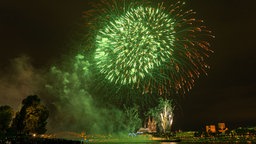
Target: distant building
220, 129
210, 129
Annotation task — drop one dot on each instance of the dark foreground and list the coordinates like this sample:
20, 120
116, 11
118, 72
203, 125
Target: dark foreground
31, 140
137, 140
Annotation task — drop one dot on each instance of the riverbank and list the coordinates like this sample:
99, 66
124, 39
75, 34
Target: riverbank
142, 139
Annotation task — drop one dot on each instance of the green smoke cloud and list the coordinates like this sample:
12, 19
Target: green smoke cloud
72, 106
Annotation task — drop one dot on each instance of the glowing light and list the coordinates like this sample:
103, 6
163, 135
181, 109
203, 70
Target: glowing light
151, 46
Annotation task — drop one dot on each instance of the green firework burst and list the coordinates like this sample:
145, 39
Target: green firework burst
148, 45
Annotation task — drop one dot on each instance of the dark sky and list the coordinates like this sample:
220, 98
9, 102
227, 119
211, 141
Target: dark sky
41, 30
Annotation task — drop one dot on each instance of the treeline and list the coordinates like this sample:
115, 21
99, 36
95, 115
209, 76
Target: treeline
30, 119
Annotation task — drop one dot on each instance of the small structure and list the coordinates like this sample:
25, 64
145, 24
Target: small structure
220, 129
210, 129
142, 130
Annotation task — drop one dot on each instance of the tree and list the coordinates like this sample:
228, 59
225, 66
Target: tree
32, 117
6, 113
35, 119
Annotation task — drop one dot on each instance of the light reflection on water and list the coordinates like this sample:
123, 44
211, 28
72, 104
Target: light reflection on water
147, 143
168, 143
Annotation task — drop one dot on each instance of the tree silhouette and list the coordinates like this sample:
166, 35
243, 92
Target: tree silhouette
6, 113
32, 116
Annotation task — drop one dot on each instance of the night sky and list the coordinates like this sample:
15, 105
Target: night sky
41, 30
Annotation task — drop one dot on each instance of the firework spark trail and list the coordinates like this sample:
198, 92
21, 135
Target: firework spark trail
151, 46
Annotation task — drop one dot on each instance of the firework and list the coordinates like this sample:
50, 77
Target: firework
148, 45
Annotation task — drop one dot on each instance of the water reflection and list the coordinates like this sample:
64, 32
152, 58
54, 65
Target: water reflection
151, 143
